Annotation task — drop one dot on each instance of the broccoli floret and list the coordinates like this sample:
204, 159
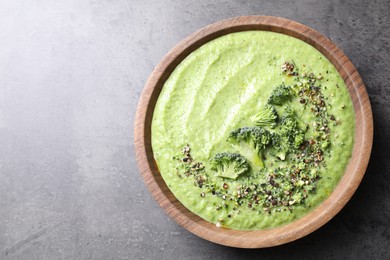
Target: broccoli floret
290, 136
280, 95
289, 123
266, 117
280, 145
251, 142
229, 165
291, 131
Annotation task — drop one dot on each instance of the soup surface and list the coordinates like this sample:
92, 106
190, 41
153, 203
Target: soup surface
253, 130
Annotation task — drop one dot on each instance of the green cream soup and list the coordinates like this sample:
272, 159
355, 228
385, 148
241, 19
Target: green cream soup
230, 87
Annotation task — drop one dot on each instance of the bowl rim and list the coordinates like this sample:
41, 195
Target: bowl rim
281, 234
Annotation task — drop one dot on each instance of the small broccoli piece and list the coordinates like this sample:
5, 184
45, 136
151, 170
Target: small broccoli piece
280, 145
280, 95
251, 142
229, 165
296, 199
266, 117
310, 188
289, 123
290, 129
290, 136
325, 144
298, 139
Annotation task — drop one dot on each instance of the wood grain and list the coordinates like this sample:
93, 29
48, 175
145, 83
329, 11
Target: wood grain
259, 238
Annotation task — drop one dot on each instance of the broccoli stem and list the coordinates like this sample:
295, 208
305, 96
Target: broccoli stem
254, 158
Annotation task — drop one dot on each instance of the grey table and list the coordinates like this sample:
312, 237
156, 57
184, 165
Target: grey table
71, 73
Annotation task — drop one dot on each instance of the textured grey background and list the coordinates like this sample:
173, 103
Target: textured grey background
71, 73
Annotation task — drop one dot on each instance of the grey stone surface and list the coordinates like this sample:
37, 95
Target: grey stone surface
71, 73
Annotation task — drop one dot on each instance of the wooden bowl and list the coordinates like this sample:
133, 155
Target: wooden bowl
286, 233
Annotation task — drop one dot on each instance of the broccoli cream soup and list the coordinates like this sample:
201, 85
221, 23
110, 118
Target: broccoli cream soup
253, 130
